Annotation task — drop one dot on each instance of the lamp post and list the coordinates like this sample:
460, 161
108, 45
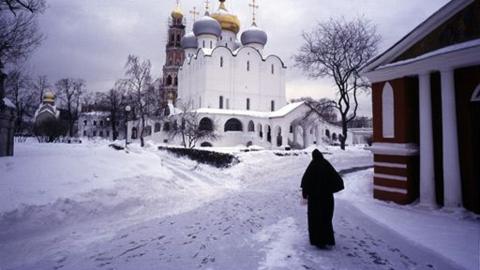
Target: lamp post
127, 111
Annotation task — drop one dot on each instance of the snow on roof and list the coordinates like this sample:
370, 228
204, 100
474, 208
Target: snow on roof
95, 113
8, 103
279, 113
445, 50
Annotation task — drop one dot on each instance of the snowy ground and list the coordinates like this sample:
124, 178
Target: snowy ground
91, 207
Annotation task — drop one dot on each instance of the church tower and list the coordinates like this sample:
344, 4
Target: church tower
174, 56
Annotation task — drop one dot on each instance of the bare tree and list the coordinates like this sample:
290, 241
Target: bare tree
338, 49
138, 82
16, 6
189, 127
115, 102
40, 85
70, 92
18, 91
324, 107
19, 34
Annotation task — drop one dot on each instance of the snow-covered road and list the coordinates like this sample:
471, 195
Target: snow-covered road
245, 217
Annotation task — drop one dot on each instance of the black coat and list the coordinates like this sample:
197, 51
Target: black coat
319, 183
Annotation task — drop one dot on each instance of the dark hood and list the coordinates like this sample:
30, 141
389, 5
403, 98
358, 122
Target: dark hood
317, 155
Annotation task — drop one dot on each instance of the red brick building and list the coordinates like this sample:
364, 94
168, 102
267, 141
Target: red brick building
426, 112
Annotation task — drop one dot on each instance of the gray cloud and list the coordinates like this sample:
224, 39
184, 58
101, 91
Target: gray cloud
91, 39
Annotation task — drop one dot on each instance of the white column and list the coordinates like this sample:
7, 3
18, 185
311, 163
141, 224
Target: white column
451, 163
306, 136
285, 132
427, 169
317, 135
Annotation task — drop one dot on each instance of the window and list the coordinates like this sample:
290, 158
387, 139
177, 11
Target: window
84, 122
248, 65
134, 133
157, 127
206, 144
291, 129
101, 123
211, 44
233, 124
388, 111
273, 69
248, 104
221, 61
476, 94
100, 134
169, 80
94, 123
327, 133
251, 126
84, 133
334, 136
272, 105
175, 81
204, 44
94, 133
228, 103
206, 124
220, 102
166, 126
260, 131
108, 133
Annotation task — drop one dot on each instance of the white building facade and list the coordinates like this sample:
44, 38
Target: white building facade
238, 91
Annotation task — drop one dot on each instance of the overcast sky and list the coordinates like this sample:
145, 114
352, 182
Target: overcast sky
91, 39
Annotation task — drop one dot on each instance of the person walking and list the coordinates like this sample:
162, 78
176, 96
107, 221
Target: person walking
319, 182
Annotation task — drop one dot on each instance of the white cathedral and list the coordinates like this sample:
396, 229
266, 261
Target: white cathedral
237, 90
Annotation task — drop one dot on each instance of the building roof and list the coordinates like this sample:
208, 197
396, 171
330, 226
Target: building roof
438, 18
278, 113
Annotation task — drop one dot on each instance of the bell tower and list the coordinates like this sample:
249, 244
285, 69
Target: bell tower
174, 56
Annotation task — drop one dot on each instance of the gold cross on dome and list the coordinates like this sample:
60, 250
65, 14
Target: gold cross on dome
254, 7
207, 4
194, 12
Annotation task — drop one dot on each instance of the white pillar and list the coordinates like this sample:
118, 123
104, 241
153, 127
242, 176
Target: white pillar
306, 136
285, 132
317, 135
427, 169
451, 163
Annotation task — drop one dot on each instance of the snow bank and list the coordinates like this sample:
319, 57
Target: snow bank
455, 234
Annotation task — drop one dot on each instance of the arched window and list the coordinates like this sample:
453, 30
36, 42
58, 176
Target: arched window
272, 105
334, 136
134, 133
388, 111
221, 61
206, 124
175, 81
251, 126
260, 130
220, 102
327, 133
248, 65
147, 131
157, 127
476, 94
169, 80
166, 126
248, 104
233, 124
206, 144
273, 69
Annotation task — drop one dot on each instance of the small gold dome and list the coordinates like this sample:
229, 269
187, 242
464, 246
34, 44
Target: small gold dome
48, 97
177, 13
227, 21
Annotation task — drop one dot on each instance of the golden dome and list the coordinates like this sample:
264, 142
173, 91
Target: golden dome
177, 13
48, 97
227, 21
